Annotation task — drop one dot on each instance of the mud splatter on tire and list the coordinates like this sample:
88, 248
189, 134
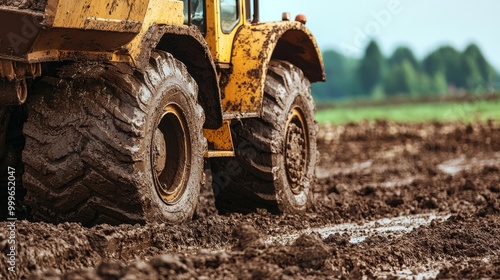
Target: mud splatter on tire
89, 143
275, 154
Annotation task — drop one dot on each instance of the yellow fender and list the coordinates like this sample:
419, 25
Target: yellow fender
253, 48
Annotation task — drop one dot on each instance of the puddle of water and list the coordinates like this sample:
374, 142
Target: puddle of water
410, 275
359, 233
398, 183
453, 166
322, 172
457, 165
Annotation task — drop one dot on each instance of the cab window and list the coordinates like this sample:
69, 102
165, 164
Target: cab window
196, 15
229, 16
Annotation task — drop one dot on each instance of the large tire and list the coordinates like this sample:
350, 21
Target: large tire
275, 154
96, 144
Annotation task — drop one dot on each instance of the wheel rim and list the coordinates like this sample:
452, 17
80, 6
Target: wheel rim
170, 153
296, 150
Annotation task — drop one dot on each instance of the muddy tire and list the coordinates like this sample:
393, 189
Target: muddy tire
275, 154
96, 148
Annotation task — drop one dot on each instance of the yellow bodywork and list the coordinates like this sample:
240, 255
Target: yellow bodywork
253, 47
166, 12
121, 31
252, 51
110, 30
220, 43
220, 141
106, 15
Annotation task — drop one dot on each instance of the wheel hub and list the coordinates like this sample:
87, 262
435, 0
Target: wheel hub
296, 150
169, 154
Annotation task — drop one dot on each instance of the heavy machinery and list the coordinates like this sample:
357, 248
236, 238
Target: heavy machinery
111, 109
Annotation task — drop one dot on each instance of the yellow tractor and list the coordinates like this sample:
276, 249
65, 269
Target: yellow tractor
111, 109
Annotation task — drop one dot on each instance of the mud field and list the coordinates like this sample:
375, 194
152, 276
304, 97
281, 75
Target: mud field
391, 201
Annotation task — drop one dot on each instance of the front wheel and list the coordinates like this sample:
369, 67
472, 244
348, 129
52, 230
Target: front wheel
106, 144
275, 154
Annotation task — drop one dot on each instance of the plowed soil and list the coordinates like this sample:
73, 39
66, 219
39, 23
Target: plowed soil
391, 201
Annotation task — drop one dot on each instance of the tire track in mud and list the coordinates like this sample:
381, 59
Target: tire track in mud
374, 176
394, 227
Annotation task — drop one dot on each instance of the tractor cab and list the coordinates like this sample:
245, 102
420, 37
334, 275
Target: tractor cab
218, 21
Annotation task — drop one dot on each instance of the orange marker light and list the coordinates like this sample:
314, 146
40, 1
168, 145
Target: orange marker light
301, 18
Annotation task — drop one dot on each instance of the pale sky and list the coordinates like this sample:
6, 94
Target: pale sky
422, 25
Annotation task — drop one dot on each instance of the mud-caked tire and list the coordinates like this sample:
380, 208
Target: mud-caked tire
276, 155
107, 144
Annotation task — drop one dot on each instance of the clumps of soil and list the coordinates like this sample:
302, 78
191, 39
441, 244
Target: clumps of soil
160, 267
367, 171
492, 206
37, 5
382, 169
309, 252
311, 257
70, 246
250, 259
458, 238
476, 269
247, 237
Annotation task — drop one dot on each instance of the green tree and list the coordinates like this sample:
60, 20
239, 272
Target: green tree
341, 81
496, 81
349, 78
449, 61
371, 68
477, 68
439, 84
401, 54
432, 86
402, 79
425, 85
472, 74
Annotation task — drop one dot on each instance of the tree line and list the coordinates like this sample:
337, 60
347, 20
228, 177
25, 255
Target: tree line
443, 71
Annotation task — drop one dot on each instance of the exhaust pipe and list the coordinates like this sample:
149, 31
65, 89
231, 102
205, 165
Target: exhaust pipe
256, 13
190, 21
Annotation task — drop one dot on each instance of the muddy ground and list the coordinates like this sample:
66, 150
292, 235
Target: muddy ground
391, 201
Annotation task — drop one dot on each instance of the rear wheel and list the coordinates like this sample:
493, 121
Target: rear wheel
275, 154
105, 144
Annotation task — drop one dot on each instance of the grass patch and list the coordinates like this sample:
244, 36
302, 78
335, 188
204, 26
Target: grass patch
418, 112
